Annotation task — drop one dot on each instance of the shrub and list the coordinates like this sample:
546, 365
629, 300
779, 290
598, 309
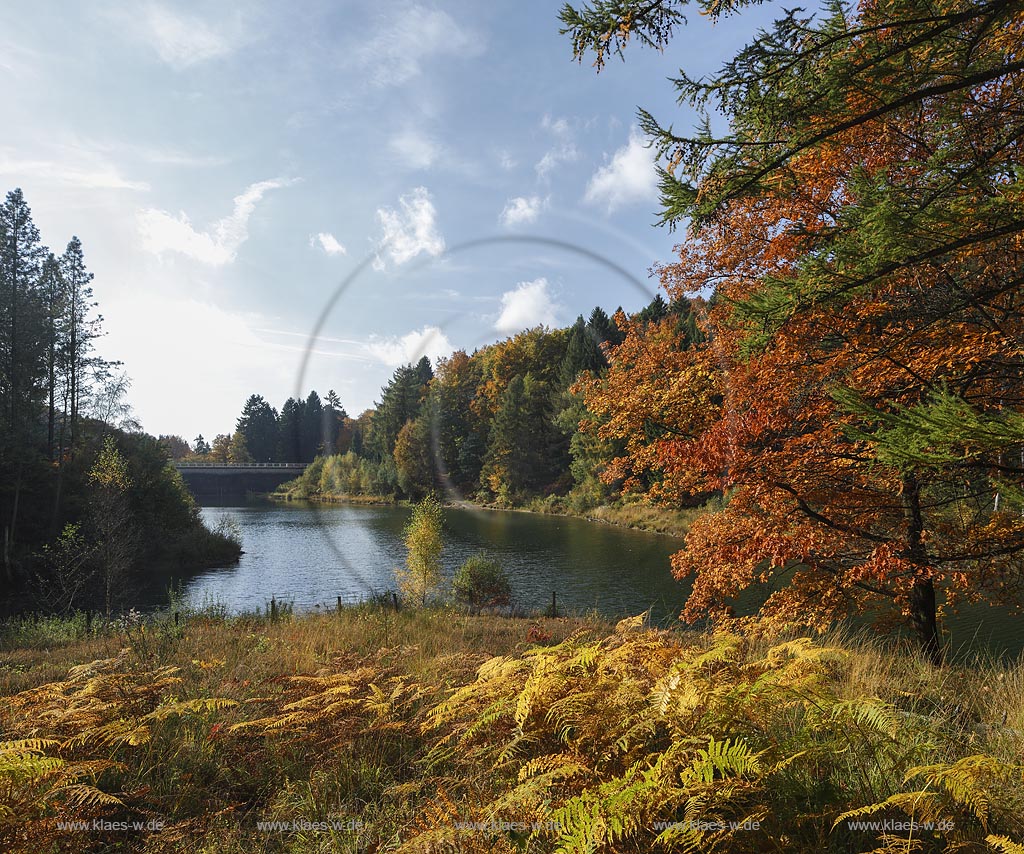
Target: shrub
481, 583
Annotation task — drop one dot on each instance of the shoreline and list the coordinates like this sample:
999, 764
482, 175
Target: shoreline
645, 518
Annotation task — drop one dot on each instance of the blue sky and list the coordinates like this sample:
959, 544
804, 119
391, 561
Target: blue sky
228, 166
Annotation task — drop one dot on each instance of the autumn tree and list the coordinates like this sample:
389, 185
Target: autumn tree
414, 458
112, 519
238, 450
176, 447
423, 541
458, 429
858, 397
220, 451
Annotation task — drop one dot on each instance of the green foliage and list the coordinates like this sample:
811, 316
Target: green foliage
414, 458
481, 583
258, 426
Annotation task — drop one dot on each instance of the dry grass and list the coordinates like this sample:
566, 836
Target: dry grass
217, 723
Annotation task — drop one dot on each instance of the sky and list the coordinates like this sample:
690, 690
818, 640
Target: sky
279, 197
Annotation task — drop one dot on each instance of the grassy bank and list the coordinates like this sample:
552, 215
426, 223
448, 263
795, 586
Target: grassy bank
429, 730
292, 493
639, 516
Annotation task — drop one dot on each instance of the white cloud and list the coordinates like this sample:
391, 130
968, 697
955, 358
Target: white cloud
393, 351
182, 40
506, 161
629, 176
522, 210
80, 168
415, 149
410, 230
529, 305
408, 40
218, 245
564, 150
170, 157
328, 242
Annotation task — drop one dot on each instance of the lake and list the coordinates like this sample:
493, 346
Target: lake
311, 554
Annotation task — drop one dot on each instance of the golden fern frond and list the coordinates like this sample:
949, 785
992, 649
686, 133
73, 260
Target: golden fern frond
898, 845
586, 657
112, 733
967, 781
871, 712
185, 707
726, 758
922, 806
725, 647
543, 679
1004, 844
23, 744
554, 762
82, 796
633, 624
30, 765
869, 809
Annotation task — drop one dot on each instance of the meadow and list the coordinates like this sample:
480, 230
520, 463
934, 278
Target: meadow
369, 729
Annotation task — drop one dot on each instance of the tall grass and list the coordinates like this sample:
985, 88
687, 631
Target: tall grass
567, 734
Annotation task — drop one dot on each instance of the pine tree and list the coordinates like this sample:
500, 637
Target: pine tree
311, 439
22, 357
289, 433
258, 424
80, 330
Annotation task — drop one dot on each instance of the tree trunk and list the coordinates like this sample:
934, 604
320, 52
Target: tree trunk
923, 613
922, 594
10, 530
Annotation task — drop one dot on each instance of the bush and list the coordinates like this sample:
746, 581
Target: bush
481, 583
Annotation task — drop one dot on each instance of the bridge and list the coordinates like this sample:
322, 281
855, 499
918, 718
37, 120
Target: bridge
221, 483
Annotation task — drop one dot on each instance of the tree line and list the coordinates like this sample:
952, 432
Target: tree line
499, 425
302, 431
84, 494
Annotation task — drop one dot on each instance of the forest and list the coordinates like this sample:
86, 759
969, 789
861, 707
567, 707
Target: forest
504, 425
88, 503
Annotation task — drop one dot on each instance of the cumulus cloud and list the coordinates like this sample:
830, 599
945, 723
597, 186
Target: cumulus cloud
406, 42
529, 305
627, 178
182, 40
328, 242
410, 230
393, 351
414, 148
522, 210
563, 151
218, 245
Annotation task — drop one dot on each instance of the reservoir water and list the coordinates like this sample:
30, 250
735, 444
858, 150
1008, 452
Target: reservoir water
309, 555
